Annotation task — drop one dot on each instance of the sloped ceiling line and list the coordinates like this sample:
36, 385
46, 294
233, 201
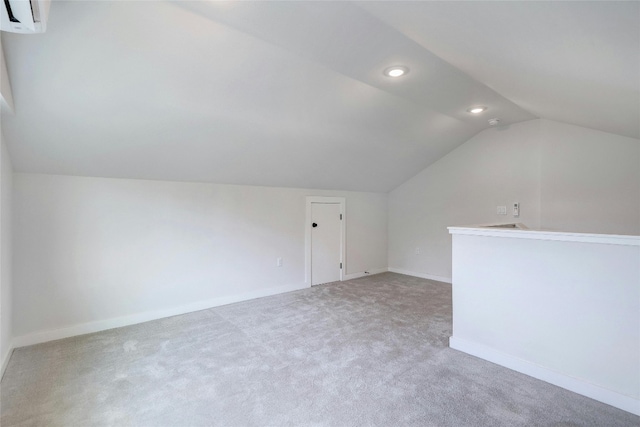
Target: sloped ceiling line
291, 94
576, 62
350, 41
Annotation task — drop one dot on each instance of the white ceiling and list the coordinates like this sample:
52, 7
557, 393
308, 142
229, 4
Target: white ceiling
292, 93
572, 61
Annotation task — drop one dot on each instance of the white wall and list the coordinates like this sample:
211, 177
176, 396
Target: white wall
565, 178
93, 249
6, 172
566, 311
590, 180
496, 167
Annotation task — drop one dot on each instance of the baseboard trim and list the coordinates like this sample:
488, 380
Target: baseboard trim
117, 322
5, 360
352, 276
421, 275
601, 394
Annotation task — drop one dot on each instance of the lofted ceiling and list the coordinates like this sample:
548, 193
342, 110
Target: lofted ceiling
572, 61
293, 94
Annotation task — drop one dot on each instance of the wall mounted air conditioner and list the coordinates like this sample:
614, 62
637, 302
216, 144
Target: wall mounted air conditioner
24, 16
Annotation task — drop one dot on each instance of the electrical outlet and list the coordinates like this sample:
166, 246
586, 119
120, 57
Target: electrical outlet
417, 251
279, 262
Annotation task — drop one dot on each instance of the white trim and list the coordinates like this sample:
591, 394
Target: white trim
486, 230
5, 360
620, 401
342, 201
117, 322
352, 276
421, 275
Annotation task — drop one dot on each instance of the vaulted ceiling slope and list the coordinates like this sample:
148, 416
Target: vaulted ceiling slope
571, 61
292, 93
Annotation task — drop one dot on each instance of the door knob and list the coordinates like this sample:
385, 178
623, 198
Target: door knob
314, 225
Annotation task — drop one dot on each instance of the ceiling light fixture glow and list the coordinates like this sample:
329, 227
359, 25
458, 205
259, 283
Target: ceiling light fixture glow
476, 110
396, 71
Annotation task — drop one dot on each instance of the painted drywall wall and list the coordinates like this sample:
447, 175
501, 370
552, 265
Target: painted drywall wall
91, 250
496, 167
590, 180
6, 173
566, 311
565, 177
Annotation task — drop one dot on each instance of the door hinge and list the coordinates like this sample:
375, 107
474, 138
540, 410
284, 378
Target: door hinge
340, 266
341, 217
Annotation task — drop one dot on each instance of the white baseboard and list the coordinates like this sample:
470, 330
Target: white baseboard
352, 276
618, 400
117, 322
5, 360
421, 275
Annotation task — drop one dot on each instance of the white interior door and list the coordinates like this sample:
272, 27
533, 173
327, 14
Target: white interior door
325, 242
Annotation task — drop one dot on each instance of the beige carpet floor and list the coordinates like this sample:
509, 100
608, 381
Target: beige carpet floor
366, 352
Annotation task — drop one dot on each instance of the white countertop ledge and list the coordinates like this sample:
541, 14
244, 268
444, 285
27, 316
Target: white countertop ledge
520, 231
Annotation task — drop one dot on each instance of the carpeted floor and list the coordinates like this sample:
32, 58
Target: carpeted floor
366, 352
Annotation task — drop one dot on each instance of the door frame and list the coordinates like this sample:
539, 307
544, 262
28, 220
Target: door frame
342, 201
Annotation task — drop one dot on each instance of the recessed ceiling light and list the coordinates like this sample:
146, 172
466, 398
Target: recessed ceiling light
476, 110
396, 71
